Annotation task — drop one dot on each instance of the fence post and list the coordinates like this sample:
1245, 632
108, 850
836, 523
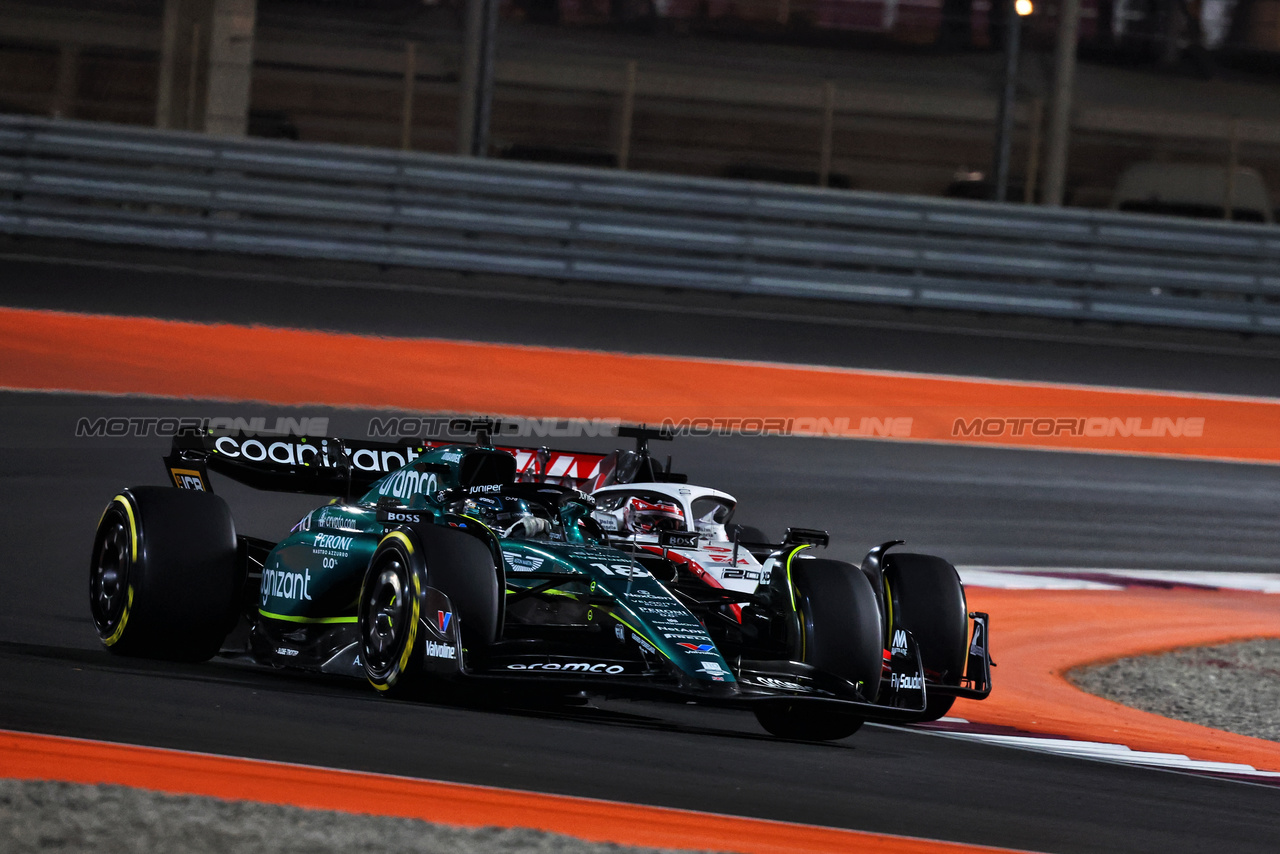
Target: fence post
1036, 123
68, 83
627, 115
828, 130
406, 107
1064, 73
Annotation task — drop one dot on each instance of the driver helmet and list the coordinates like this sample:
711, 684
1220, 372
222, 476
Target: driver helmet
485, 509
649, 517
508, 516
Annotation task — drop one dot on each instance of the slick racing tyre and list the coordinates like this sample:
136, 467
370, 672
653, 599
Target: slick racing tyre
840, 634
390, 608
163, 576
926, 598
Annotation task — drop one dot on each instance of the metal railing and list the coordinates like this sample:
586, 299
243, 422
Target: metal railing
176, 190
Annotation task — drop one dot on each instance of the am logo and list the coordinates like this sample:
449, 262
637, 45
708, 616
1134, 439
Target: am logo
899, 642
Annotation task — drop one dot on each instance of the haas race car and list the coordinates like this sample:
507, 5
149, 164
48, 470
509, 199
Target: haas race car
481, 565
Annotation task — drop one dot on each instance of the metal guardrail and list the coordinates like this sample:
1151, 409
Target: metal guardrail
176, 190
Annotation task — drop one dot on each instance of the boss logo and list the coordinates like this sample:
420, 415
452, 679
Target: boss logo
403, 517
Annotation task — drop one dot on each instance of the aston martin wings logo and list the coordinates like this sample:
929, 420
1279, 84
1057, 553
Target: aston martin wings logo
523, 563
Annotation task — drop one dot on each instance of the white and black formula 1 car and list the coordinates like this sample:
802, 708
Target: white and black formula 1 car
733, 576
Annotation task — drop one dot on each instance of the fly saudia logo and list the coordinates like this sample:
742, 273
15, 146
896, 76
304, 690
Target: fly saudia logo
906, 683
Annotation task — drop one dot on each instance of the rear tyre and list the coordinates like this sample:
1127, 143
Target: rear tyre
840, 634
163, 575
928, 600
390, 610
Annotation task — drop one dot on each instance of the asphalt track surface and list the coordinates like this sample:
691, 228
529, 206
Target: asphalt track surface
974, 505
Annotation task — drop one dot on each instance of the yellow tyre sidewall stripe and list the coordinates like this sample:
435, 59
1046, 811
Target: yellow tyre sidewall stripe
133, 552
133, 525
124, 620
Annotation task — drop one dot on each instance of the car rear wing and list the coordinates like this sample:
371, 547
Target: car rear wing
345, 467
287, 463
589, 471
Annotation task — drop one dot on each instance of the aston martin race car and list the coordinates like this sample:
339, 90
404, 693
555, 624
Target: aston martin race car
482, 566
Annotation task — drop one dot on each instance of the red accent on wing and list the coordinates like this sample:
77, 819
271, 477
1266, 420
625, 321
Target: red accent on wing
707, 578
564, 468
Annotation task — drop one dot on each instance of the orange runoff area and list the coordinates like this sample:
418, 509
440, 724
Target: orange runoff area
1037, 636
42, 757
129, 355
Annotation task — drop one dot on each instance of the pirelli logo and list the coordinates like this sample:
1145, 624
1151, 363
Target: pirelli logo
188, 479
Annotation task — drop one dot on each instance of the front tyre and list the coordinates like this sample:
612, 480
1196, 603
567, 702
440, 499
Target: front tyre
839, 633
927, 599
163, 575
388, 615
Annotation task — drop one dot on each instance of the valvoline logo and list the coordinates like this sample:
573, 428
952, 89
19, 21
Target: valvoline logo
442, 620
698, 647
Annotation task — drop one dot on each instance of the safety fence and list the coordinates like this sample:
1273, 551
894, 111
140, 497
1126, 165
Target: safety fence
174, 190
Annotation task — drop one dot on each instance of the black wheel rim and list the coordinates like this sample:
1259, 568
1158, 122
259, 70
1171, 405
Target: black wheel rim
109, 573
386, 615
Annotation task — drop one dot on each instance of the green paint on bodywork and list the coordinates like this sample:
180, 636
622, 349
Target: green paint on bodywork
313, 575
640, 602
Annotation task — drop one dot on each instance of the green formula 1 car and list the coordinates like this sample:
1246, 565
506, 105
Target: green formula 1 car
475, 565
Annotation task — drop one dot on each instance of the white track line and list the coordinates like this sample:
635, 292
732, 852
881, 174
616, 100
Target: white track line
1078, 578
1104, 752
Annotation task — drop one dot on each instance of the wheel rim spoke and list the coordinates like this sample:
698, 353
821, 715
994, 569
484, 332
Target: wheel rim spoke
109, 571
387, 607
